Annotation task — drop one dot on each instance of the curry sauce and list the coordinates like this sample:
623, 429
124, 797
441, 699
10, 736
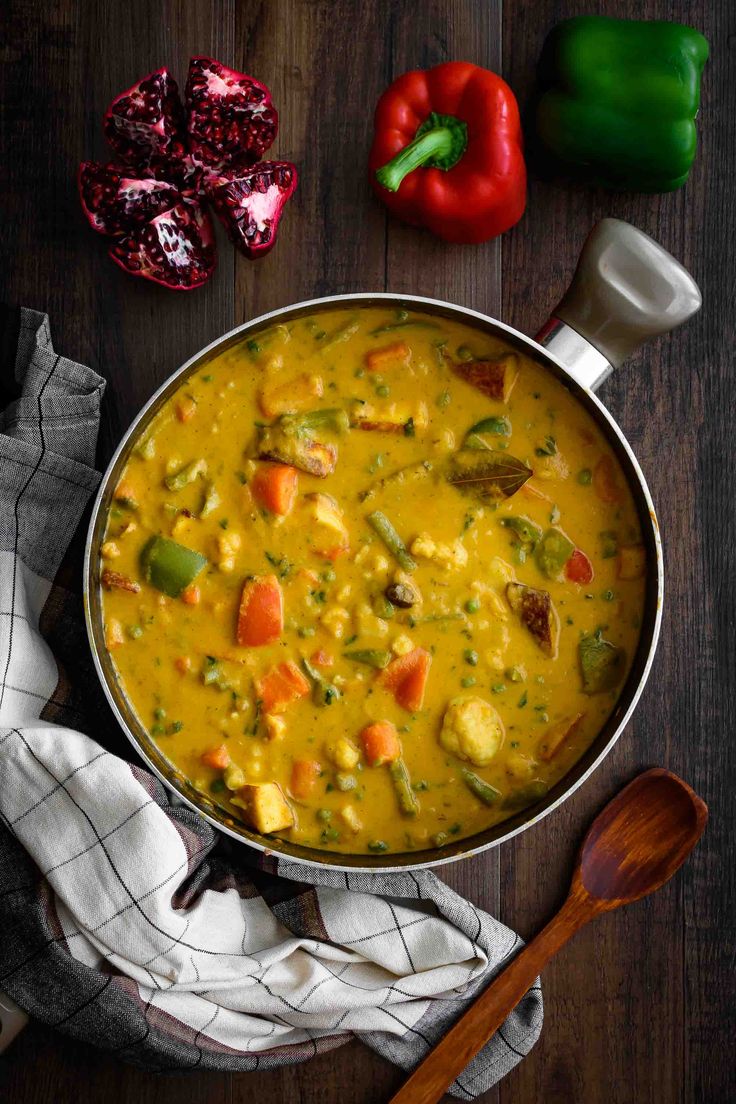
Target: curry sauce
372, 580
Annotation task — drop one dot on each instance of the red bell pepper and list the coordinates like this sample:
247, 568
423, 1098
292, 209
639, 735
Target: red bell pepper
447, 152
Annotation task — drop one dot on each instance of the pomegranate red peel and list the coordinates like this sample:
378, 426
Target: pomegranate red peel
249, 203
230, 116
176, 249
147, 119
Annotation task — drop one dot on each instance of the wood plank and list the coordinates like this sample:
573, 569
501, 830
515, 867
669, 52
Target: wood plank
635, 972
331, 239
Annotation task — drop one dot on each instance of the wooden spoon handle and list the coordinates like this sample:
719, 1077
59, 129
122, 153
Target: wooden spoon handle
472, 1031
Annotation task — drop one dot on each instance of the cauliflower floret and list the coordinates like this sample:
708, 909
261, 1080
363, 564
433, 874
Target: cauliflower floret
402, 645
472, 729
454, 554
334, 620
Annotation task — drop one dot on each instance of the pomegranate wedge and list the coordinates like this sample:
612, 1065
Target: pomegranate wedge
113, 201
230, 116
147, 120
176, 249
249, 203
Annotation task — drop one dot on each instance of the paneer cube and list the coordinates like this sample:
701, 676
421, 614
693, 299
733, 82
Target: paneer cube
390, 417
264, 807
554, 738
328, 533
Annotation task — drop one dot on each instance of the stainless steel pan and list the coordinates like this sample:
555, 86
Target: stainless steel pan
626, 289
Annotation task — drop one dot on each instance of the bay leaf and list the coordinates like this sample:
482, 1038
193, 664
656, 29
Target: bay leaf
487, 474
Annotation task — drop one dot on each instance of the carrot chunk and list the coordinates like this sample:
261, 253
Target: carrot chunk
605, 481
407, 676
275, 487
183, 664
217, 757
578, 568
186, 408
280, 686
191, 595
397, 353
380, 743
321, 658
261, 613
304, 774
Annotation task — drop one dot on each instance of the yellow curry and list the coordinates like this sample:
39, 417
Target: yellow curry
372, 580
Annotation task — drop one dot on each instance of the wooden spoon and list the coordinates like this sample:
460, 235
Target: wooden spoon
632, 848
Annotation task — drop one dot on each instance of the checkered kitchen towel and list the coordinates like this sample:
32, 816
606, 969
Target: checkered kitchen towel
124, 921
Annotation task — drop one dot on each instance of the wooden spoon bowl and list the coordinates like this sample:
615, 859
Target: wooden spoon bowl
639, 840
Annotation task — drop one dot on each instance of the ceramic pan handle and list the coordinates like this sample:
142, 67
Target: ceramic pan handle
12, 1021
626, 289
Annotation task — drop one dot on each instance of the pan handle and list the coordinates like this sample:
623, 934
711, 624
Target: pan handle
626, 289
12, 1021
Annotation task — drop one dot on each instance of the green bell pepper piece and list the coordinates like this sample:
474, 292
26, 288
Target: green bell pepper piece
553, 552
601, 663
169, 566
618, 100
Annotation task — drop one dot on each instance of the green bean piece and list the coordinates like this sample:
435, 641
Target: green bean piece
408, 802
211, 501
403, 324
377, 846
323, 692
483, 790
383, 608
380, 524
343, 333
180, 479
525, 795
372, 657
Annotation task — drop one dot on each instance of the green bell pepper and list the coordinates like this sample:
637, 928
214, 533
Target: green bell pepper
170, 566
618, 100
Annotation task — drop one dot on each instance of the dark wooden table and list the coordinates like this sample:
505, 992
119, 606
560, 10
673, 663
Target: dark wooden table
640, 1008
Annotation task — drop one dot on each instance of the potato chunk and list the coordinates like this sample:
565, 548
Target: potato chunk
328, 533
556, 735
265, 808
537, 613
280, 396
472, 730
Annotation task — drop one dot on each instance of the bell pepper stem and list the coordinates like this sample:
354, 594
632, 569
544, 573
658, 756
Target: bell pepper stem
439, 143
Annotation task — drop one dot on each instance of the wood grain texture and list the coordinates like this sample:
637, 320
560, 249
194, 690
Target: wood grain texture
638, 1009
